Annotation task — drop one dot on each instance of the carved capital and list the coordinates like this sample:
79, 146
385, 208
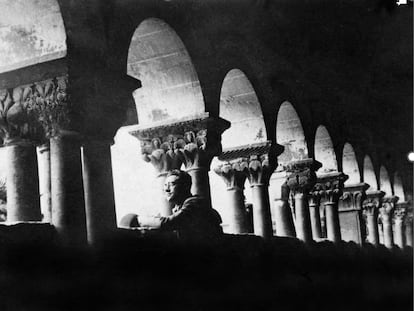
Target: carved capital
259, 170
34, 111
194, 140
233, 173
314, 198
387, 207
409, 215
353, 196
302, 175
331, 185
164, 156
372, 202
400, 211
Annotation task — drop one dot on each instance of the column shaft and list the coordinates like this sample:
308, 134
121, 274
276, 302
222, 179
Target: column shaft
409, 233
45, 182
302, 220
387, 228
381, 233
373, 234
399, 234
238, 215
200, 182
283, 219
99, 191
22, 183
68, 205
262, 221
333, 230
315, 218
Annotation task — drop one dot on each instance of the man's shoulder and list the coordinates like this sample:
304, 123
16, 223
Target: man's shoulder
195, 200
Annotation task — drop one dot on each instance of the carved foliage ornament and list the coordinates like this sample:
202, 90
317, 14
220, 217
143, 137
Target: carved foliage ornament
259, 170
30, 112
331, 186
233, 173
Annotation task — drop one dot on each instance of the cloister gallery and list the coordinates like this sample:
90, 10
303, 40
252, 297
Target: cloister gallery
294, 119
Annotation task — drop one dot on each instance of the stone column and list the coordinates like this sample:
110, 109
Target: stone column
283, 214
314, 200
380, 230
409, 227
234, 175
371, 205
332, 185
22, 182
68, 204
259, 173
399, 224
98, 190
386, 213
20, 132
43, 156
196, 140
350, 213
300, 181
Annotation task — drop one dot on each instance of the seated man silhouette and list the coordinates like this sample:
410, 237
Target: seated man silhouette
192, 217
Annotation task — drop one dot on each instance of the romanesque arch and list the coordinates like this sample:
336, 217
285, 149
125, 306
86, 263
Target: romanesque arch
239, 104
369, 176
350, 165
385, 183
158, 58
289, 133
398, 187
170, 90
324, 151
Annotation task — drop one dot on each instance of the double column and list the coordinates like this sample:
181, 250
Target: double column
234, 174
21, 132
371, 209
331, 185
400, 213
409, 227
192, 141
386, 214
350, 212
300, 181
251, 161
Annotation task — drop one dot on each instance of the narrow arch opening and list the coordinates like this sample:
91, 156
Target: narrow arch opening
170, 90
324, 151
385, 183
289, 133
369, 176
398, 187
350, 165
239, 105
170, 85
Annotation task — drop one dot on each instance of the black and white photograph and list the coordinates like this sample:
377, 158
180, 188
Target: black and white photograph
206, 155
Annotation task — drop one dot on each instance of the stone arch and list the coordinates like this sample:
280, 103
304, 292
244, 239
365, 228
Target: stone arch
369, 176
385, 183
350, 165
170, 90
170, 85
324, 150
31, 32
289, 133
239, 105
398, 187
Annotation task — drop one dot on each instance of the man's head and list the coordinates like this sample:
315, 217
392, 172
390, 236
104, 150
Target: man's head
177, 186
